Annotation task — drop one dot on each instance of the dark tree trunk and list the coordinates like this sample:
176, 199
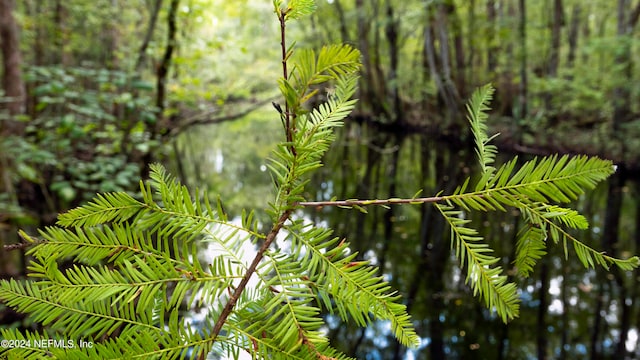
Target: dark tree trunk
12, 83
610, 239
507, 90
389, 214
163, 126
622, 94
460, 72
62, 35
391, 30
556, 27
572, 35
596, 329
112, 38
442, 28
492, 48
554, 57
142, 52
438, 62
435, 257
14, 91
165, 63
471, 45
522, 34
566, 310
635, 290
610, 236
543, 296
368, 91
344, 32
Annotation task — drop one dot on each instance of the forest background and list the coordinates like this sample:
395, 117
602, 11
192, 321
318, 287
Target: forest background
93, 92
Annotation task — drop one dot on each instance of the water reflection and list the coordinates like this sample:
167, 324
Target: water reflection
580, 314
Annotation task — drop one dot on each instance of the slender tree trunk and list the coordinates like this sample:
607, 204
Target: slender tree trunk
471, 43
442, 26
635, 290
430, 54
439, 64
112, 37
14, 91
344, 32
459, 75
566, 310
163, 125
572, 35
165, 63
12, 83
507, 89
610, 237
554, 57
624, 315
522, 34
622, 94
596, 329
492, 48
586, 34
622, 113
368, 91
364, 188
153, 19
556, 27
62, 36
435, 259
391, 30
389, 214
543, 296
381, 85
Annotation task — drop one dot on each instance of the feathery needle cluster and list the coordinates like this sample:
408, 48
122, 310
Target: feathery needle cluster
123, 272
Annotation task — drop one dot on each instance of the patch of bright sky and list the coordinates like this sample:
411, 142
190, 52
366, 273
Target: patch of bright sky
632, 340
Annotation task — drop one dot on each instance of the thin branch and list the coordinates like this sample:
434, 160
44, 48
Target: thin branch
228, 308
207, 119
18, 246
165, 64
285, 74
22, 245
289, 115
142, 52
391, 201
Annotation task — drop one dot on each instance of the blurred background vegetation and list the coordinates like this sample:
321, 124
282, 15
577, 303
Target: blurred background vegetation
94, 91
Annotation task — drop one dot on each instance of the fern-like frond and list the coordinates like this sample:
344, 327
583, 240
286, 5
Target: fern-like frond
530, 247
550, 179
552, 217
104, 208
172, 343
311, 69
486, 279
75, 319
312, 140
263, 347
347, 286
299, 8
477, 107
590, 257
291, 317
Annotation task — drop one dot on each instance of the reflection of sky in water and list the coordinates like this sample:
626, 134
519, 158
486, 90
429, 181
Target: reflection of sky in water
379, 333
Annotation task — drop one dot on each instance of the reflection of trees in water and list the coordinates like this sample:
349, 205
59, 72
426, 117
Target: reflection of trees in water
561, 302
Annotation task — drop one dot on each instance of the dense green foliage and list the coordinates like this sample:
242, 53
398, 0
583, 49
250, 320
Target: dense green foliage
135, 262
95, 117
